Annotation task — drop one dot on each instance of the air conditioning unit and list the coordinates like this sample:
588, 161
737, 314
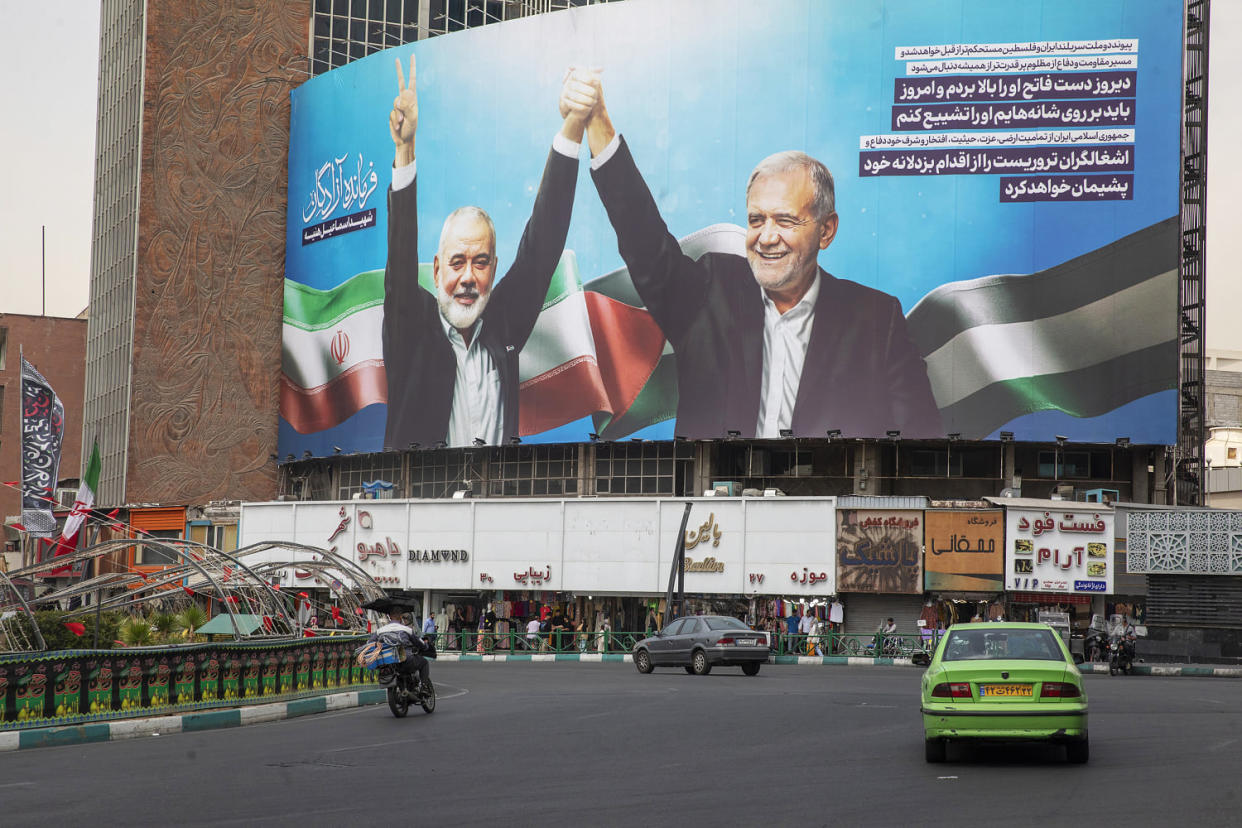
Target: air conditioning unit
66, 497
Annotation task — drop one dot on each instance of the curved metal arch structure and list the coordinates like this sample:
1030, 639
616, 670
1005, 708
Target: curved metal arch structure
239, 586
199, 570
348, 584
18, 630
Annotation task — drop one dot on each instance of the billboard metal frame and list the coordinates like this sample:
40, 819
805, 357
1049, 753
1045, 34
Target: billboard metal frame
1188, 465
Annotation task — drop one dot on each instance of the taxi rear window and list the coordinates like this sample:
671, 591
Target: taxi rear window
984, 645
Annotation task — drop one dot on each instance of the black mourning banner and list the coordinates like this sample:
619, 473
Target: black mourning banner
43, 426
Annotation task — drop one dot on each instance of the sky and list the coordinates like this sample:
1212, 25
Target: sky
48, 135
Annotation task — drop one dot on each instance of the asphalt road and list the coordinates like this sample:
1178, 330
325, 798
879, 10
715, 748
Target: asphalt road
598, 744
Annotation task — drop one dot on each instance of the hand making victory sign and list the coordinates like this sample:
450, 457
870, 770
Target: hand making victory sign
403, 120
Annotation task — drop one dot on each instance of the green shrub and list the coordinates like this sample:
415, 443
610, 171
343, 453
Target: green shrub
59, 637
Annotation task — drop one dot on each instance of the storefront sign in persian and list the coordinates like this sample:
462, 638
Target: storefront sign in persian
1056, 550
965, 550
880, 551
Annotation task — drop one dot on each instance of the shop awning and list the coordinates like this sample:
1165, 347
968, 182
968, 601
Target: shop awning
221, 625
1049, 598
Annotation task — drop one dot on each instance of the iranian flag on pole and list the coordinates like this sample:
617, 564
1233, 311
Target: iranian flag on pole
82, 506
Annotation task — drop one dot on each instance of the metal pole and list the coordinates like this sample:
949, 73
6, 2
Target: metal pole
679, 560
43, 265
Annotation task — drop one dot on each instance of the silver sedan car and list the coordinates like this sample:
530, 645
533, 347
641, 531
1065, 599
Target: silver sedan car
700, 642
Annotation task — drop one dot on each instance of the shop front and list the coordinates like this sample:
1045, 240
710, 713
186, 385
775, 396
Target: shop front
1058, 558
963, 565
590, 574
880, 568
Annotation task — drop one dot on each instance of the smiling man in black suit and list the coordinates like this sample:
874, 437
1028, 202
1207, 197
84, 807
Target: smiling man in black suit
769, 341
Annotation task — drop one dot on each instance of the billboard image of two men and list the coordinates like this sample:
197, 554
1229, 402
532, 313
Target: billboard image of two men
962, 237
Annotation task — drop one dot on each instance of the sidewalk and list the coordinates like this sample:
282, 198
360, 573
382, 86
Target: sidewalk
239, 716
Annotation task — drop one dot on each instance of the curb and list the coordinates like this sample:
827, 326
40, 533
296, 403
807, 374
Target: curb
185, 723
1187, 670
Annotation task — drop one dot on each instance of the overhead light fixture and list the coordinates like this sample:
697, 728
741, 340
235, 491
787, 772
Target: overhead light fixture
955, 436
680, 439
893, 434
413, 446
834, 434
479, 441
1006, 436
306, 454
441, 444
1123, 442
1061, 438
786, 432
289, 457
336, 449
513, 441
733, 434
593, 436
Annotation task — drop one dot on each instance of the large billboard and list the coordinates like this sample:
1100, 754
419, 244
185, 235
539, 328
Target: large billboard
977, 232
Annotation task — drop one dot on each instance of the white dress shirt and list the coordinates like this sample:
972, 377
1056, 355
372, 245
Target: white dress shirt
478, 410
785, 340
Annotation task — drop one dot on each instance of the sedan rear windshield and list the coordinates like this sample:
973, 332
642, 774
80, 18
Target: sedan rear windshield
725, 624
984, 645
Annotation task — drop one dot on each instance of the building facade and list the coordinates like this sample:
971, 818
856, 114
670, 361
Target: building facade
56, 346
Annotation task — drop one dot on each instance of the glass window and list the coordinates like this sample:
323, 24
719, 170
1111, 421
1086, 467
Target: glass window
675, 627
158, 556
693, 625
988, 645
725, 623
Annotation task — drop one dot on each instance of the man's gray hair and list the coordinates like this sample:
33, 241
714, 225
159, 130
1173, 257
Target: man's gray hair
477, 213
824, 204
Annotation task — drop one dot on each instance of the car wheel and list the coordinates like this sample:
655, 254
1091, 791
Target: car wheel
751, 668
934, 750
1078, 752
699, 663
1112, 668
642, 661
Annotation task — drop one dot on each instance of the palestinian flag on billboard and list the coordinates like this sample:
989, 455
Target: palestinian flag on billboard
1083, 337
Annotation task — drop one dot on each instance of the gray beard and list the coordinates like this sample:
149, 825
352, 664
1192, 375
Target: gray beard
459, 316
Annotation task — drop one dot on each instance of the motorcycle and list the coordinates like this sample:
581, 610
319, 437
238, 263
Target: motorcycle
1095, 647
1122, 655
405, 687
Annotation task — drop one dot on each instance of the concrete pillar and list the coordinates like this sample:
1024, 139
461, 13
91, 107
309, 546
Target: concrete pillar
1140, 479
867, 480
1159, 494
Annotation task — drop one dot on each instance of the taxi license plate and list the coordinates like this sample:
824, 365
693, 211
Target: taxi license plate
998, 690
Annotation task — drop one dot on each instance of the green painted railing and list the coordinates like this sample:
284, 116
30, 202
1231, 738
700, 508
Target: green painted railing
75, 686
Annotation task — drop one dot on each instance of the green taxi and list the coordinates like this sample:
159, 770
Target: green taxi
1003, 682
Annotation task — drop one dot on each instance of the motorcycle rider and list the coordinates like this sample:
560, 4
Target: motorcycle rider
396, 632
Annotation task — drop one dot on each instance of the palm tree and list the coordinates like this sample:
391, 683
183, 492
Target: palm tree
135, 631
190, 619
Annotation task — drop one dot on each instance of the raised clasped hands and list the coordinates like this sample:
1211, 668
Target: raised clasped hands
580, 94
